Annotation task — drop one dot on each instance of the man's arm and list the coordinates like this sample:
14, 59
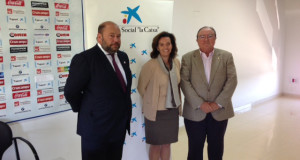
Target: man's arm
187, 88
230, 84
77, 81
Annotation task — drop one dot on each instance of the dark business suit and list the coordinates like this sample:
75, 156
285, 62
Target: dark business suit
104, 110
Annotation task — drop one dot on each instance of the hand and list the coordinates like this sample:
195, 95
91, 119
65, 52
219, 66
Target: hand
205, 107
214, 106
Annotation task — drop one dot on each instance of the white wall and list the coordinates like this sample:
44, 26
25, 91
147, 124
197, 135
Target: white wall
292, 49
239, 30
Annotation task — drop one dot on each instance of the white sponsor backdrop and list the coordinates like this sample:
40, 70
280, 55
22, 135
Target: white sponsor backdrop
37, 41
156, 16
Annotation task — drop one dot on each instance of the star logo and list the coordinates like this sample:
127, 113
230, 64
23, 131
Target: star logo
131, 13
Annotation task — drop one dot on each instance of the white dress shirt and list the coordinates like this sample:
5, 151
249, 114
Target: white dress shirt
108, 56
207, 63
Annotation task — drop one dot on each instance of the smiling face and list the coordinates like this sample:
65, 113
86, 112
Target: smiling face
206, 39
110, 38
164, 47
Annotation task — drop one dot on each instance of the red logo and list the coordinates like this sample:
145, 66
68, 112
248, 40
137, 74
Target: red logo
40, 13
17, 103
1, 82
39, 92
15, 3
59, 55
18, 34
1, 59
20, 87
13, 58
9, 11
18, 41
38, 71
42, 57
62, 34
61, 6
63, 76
63, 41
62, 27
61, 96
2, 106
45, 99
21, 95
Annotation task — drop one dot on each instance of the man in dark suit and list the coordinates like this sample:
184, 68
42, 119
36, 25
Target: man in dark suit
208, 80
99, 88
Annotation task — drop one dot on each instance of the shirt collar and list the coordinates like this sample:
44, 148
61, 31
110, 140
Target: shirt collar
210, 54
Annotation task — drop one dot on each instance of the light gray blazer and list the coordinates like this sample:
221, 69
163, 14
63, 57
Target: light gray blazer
196, 89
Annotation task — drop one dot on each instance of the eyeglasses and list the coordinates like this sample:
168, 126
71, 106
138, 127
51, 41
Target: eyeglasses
210, 36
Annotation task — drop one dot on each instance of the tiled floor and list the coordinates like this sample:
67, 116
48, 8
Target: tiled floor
268, 131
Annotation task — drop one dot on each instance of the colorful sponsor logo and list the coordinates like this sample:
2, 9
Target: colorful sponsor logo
2, 83
45, 99
61, 5
36, 4
17, 27
42, 57
41, 42
63, 75
20, 87
61, 89
18, 58
15, 35
20, 72
63, 62
14, 19
18, 41
40, 19
44, 85
22, 103
63, 41
21, 65
2, 106
2, 91
15, 11
131, 13
19, 3
63, 69
44, 71
62, 82
45, 91
41, 27
1, 74
41, 35
21, 95
45, 105
20, 80
41, 48
62, 34
62, 27
62, 14
62, 21
18, 49
40, 13
63, 48
39, 64
64, 55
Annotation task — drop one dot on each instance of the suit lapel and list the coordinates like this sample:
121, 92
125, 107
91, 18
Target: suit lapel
214, 65
109, 70
199, 65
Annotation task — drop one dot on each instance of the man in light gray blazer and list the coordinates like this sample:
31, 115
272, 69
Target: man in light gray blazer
208, 80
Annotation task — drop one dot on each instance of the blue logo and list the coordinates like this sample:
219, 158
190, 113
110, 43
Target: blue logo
131, 13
